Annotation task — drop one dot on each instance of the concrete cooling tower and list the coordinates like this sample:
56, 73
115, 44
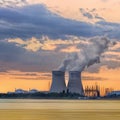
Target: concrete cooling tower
58, 82
75, 83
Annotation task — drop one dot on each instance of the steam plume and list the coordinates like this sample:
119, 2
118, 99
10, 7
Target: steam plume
88, 55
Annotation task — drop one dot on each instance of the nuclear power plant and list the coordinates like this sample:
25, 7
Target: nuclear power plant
58, 82
74, 84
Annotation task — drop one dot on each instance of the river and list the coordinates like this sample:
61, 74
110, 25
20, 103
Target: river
20, 109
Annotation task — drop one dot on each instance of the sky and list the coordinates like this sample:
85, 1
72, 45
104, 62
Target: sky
37, 35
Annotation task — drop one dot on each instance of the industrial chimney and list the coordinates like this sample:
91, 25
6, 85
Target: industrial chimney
75, 83
58, 82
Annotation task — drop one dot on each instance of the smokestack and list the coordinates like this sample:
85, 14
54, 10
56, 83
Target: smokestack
75, 83
58, 82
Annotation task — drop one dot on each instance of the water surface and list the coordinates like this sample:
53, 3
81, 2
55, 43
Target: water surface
59, 109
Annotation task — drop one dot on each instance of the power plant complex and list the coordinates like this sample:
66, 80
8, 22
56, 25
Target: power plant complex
75, 63
74, 84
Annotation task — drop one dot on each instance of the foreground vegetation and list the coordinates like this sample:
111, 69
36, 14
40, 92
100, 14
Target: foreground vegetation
41, 95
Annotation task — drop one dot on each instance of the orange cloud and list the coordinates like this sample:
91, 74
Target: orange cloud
32, 44
70, 49
47, 44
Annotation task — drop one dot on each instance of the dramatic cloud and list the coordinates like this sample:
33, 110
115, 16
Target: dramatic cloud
10, 52
47, 44
32, 44
36, 20
32, 38
88, 55
34, 51
110, 29
13, 57
12, 3
91, 14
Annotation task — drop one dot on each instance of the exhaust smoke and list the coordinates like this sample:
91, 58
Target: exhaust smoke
89, 53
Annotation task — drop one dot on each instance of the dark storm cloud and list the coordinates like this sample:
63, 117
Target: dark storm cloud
112, 30
91, 14
86, 14
10, 52
98, 17
37, 20
15, 58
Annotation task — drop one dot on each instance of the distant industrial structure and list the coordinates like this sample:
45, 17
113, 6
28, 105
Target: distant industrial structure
96, 90
58, 82
21, 91
92, 91
74, 84
113, 93
59, 89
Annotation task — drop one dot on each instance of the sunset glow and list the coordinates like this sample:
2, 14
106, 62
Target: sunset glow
37, 35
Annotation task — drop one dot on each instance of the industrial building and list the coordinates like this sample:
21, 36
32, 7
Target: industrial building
21, 91
58, 82
74, 84
32, 91
114, 93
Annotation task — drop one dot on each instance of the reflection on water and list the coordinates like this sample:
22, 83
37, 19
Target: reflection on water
59, 110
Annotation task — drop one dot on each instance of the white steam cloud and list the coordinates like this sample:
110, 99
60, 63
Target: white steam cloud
89, 53
12, 3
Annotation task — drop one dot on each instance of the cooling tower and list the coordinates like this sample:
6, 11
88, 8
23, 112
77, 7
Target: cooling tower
58, 82
75, 84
